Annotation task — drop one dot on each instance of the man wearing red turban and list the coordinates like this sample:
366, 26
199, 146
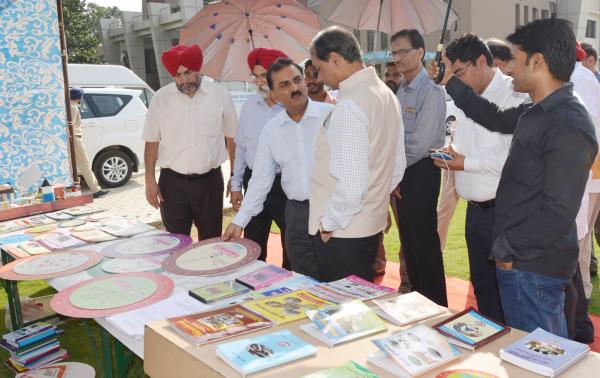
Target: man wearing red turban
256, 112
189, 126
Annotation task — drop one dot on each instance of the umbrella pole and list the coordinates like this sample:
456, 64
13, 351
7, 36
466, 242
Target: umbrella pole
440, 46
377, 31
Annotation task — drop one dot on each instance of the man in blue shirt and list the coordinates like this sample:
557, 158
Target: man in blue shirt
423, 111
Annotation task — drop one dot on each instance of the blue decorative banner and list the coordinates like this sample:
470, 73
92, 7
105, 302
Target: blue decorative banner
32, 105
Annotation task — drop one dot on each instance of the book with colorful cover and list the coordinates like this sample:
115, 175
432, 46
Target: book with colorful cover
470, 329
123, 227
407, 308
59, 216
38, 220
264, 277
348, 370
15, 350
287, 307
262, 352
32, 247
12, 226
415, 351
216, 292
57, 241
26, 332
58, 356
208, 326
544, 353
340, 323
350, 288
329, 293
93, 236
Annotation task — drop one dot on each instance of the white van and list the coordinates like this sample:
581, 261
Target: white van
108, 76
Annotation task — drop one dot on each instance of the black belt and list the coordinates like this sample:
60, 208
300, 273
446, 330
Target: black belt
192, 176
248, 171
305, 202
485, 204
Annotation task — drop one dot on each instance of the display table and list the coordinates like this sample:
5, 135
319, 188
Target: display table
170, 356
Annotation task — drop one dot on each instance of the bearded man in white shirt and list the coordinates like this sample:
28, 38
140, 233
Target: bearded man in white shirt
478, 158
286, 142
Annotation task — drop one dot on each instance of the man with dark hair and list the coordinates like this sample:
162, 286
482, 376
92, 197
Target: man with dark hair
359, 159
591, 58
424, 114
392, 76
500, 53
287, 143
256, 112
543, 180
189, 130
478, 158
316, 86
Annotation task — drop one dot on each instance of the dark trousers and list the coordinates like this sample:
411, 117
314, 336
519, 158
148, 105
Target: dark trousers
579, 325
196, 199
299, 244
259, 227
478, 233
417, 215
342, 257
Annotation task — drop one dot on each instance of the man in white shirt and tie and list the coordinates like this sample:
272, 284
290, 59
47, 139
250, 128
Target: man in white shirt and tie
478, 158
256, 112
287, 142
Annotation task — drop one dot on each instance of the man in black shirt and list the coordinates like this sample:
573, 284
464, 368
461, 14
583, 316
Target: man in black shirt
543, 180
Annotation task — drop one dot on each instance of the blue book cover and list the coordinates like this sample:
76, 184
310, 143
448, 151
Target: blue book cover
542, 349
265, 351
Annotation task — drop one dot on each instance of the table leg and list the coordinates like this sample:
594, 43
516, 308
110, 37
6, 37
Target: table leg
12, 294
106, 353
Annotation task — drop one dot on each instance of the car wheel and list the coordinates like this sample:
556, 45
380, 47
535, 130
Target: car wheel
113, 168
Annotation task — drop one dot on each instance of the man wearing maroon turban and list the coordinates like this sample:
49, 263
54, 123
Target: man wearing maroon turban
189, 126
256, 112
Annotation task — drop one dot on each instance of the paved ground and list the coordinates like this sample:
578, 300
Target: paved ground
129, 200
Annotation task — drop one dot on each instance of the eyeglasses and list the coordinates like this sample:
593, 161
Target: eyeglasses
189, 74
460, 72
262, 76
400, 52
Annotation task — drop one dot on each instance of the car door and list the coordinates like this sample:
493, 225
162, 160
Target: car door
92, 127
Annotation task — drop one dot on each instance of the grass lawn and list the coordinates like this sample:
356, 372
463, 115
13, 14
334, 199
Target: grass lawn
75, 340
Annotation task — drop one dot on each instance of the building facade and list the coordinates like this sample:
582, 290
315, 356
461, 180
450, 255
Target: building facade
137, 39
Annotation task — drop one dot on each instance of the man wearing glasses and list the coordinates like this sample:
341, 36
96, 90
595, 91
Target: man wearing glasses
187, 127
423, 112
478, 159
257, 111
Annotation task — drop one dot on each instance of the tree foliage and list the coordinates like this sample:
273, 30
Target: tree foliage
82, 29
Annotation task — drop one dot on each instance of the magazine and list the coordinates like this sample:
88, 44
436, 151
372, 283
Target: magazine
264, 277
93, 236
544, 353
287, 307
350, 288
470, 329
56, 241
407, 308
208, 326
123, 227
415, 351
340, 323
215, 292
33, 248
262, 352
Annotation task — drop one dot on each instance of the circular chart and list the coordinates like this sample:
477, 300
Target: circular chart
212, 256
50, 265
113, 294
148, 245
71, 223
142, 264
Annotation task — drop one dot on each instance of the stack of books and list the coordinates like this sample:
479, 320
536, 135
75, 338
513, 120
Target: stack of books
33, 346
544, 353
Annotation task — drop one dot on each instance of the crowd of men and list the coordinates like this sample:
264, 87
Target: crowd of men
327, 165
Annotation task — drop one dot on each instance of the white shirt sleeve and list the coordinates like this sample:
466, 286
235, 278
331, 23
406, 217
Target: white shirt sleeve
260, 184
151, 131
230, 119
239, 165
400, 161
348, 140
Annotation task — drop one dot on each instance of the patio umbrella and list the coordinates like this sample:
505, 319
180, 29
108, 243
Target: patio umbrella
388, 16
228, 30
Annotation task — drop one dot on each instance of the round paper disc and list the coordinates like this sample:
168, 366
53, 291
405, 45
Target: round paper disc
109, 295
212, 256
50, 265
71, 223
148, 245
